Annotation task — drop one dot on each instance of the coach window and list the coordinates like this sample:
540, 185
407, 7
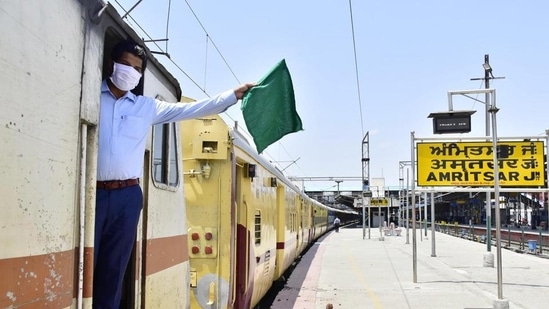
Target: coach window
164, 155
257, 227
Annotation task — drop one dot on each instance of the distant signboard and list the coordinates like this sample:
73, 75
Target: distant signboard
451, 122
471, 164
378, 201
452, 125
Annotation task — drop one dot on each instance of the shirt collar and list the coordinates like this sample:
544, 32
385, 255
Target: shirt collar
129, 95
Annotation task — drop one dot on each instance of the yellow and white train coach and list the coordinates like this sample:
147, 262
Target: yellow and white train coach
54, 56
247, 223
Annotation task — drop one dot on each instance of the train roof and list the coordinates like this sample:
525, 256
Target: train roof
240, 141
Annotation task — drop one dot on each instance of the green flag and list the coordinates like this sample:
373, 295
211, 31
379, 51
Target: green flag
269, 108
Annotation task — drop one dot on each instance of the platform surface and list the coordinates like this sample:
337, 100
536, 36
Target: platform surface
355, 269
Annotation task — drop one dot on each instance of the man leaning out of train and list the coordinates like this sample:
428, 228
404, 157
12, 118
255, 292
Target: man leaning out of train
124, 123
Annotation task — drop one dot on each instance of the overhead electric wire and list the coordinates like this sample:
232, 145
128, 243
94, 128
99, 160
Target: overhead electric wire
479, 87
213, 43
356, 67
206, 61
168, 23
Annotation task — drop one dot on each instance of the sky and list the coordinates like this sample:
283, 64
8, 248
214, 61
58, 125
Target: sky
379, 73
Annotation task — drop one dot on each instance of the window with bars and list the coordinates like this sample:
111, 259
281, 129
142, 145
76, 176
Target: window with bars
257, 227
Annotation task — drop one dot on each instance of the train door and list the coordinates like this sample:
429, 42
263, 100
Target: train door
297, 223
128, 290
308, 223
300, 227
131, 284
243, 239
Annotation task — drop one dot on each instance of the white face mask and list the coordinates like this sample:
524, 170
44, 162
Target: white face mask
125, 77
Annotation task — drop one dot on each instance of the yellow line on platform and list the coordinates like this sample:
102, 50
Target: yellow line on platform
362, 279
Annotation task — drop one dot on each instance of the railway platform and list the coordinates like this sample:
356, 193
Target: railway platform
350, 271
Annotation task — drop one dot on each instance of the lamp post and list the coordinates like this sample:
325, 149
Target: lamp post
338, 182
391, 207
493, 110
366, 193
488, 75
379, 218
408, 207
405, 186
335, 199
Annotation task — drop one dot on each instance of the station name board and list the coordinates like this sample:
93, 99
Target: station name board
471, 164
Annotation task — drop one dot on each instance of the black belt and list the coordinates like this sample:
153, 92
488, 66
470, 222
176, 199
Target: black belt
117, 184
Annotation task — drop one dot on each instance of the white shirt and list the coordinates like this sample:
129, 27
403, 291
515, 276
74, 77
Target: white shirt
124, 126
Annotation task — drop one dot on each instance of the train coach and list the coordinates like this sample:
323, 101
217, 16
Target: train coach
247, 223
54, 57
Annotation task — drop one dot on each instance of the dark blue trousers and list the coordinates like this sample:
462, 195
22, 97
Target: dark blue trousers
116, 217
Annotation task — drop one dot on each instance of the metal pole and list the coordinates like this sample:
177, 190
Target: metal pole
425, 217
407, 207
414, 236
369, 218
369, 188
419, 217
487, 122
363, 217
487, 77
365, 183
494, 110
433, 248
379, 220
390, 211
399, 222
547, 160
